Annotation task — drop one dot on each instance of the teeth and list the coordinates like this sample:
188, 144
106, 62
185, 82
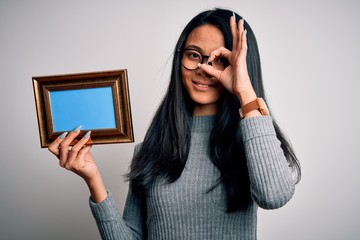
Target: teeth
202, 85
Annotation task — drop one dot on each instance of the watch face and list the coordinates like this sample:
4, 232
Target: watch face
241, 113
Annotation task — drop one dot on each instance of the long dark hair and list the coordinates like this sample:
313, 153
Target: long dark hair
165, 148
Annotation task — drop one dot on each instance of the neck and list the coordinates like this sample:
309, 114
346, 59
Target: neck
205, 109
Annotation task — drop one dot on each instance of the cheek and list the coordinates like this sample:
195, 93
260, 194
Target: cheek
186, 79
183, 74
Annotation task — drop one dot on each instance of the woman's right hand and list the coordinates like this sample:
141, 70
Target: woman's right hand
79, 160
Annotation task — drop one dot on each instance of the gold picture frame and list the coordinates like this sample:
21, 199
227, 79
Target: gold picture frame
100, 99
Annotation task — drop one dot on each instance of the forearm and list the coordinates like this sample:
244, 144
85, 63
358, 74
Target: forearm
112, 225
246, 97
97, 188
271, 180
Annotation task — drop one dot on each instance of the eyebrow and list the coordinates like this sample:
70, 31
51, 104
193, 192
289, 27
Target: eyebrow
194, 47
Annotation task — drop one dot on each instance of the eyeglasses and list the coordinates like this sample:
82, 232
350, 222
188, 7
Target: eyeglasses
192, 57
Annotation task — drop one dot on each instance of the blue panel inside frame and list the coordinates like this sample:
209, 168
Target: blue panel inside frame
92, 108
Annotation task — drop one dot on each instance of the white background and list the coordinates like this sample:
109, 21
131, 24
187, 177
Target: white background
310, 57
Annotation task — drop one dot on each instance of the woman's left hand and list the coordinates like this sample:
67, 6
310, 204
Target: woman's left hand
235, 77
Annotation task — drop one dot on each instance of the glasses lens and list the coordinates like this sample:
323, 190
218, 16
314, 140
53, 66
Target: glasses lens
191, 58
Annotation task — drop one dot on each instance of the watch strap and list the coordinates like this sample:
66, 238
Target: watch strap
257, 104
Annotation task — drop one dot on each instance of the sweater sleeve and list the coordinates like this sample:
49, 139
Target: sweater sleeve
112, 225
271, 181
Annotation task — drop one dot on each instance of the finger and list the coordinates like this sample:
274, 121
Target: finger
84, 151
244, 45
78, 163
64, 146
211, 71
233, 28
219, 52
239, 33
79, 145
54, 146
78, 151
73, 154
241, 25
70, 137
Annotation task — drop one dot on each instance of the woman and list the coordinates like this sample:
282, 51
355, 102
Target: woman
203, 168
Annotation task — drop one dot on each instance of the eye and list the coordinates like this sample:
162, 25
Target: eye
222, 61
192, 55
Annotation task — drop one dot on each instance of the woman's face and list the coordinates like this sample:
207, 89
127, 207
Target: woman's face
204, 90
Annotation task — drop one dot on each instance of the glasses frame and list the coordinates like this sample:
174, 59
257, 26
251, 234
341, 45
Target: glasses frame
203, 57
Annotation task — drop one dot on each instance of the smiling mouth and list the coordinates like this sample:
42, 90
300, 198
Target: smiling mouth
204, 85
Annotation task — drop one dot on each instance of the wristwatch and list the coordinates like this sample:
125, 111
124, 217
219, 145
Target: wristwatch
258, 104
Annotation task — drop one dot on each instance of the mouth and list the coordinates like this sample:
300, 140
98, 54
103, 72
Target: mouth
204, 85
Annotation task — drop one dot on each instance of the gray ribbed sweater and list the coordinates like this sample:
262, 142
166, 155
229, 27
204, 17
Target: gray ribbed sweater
183, 209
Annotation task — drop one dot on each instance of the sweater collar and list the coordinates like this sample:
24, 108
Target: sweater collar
203, 123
